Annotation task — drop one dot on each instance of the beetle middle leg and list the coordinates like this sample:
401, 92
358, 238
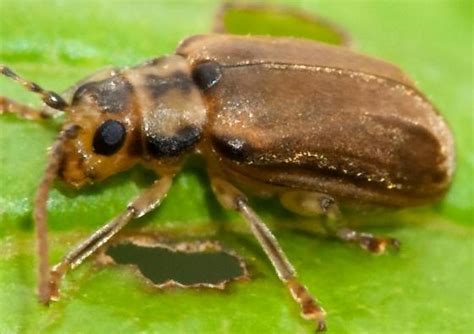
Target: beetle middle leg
312, 203
143, 204
231, 198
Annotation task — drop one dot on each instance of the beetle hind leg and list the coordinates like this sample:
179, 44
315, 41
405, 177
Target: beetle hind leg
232, 198
311, 203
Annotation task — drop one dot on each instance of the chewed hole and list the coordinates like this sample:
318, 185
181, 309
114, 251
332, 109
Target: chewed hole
193, 264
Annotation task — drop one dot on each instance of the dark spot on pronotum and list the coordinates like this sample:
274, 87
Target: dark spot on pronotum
111, 95
232, 148
165, 266
158, 86
109, 137
207, 74
171, 146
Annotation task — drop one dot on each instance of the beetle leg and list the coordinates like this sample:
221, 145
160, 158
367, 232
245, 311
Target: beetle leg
232, 198
367, 241
311, 203
143, 204
12, 107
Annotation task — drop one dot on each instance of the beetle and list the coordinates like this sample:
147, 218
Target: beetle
310, 123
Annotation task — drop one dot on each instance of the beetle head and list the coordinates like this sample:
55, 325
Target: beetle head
108, 130
153, 113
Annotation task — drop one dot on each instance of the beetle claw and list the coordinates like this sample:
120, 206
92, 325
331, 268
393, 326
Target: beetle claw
53, 285
377, 245
395, 244
320, 326
368, 241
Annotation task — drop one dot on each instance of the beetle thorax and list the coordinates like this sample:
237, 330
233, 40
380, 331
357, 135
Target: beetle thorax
171, 109
151, 113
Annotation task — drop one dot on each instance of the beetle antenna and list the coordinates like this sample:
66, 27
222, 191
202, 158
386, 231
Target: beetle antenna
51, 99
40, 213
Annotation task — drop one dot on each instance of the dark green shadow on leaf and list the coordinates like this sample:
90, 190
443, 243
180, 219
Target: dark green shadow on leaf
195, 264
260, 20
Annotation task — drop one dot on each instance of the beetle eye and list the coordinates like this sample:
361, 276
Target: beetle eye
109, 137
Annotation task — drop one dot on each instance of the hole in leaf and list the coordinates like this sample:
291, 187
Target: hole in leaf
187, 264
243, 19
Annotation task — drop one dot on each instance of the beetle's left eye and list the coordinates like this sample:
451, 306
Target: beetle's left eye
109, 137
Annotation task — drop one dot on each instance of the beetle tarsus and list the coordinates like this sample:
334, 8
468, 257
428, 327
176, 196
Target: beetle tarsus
55, 276
321, 326
368, 241
377, 245
310, 308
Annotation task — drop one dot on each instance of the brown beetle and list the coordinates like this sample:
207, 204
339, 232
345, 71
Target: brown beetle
310, 123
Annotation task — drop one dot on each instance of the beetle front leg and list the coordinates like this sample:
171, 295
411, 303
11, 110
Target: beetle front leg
8, 106
232, 198
311, 203
143, 204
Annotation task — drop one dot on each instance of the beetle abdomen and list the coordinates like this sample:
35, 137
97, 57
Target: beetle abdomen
353, 134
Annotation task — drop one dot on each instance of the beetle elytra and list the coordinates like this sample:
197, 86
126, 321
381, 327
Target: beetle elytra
310, 123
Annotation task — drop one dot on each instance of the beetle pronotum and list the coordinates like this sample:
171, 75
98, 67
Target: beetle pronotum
310, 123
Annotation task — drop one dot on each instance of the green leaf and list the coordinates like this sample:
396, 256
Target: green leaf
427, 287
280, 21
